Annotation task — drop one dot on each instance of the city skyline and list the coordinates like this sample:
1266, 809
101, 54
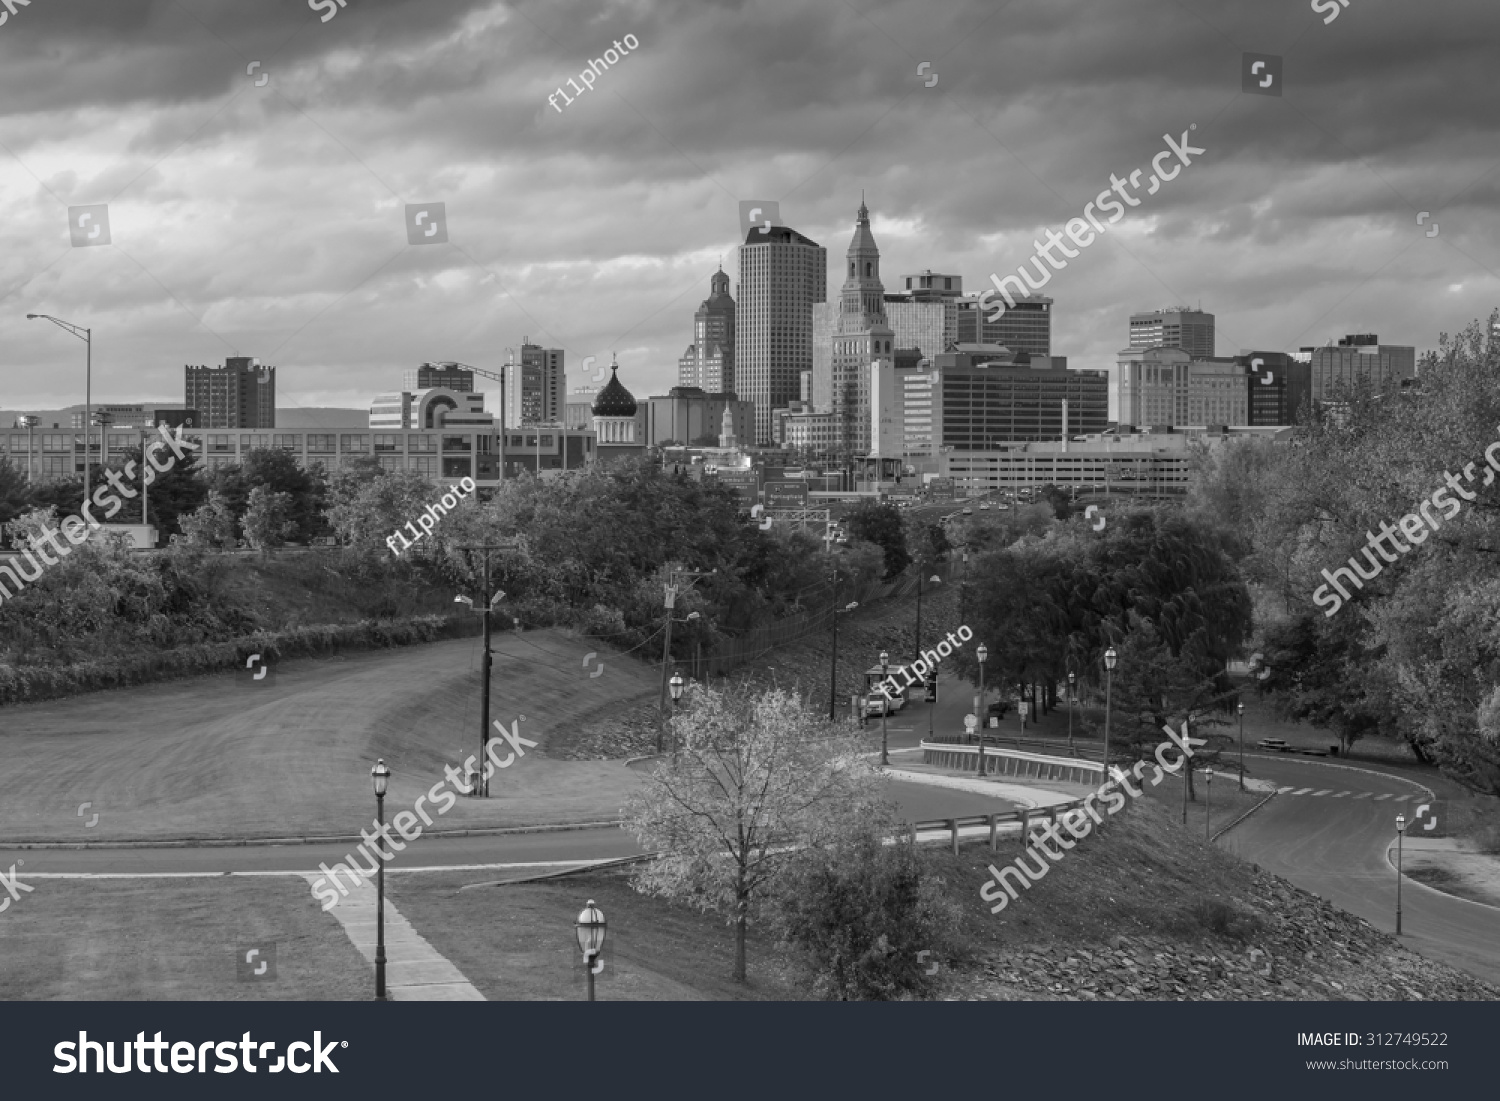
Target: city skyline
302, 260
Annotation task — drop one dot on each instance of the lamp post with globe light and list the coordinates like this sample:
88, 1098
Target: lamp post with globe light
381, 776
1400, 836
979, 655
885, 709
1110, 658
590, 929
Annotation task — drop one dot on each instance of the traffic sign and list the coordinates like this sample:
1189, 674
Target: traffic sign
970, 722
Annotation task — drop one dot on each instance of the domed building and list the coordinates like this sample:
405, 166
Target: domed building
615, 420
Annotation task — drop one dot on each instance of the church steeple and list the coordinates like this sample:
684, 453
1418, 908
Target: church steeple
863, 293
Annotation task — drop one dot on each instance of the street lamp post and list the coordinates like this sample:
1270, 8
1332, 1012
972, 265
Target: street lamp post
381, 777
1208, 801
481, 783
590, 929
980, 654
28, 423
1110, 657
833, 662
676, 684
1400, 836
1070, 711
1240, 707
87, 336
885, 709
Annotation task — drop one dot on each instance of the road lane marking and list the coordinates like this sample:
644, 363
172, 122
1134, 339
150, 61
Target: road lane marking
1304, 791
1325, 791
1341, 794
1364, 795
1282, 791
1387, 795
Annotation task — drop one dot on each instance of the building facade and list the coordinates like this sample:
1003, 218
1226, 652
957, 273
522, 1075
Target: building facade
1180, 327
1279, 387
1167, 386
240, 394
983, 398
862, 341
428, 409
1339, 368
708, 363
439, 376
687, 413
1024, 327
782, 275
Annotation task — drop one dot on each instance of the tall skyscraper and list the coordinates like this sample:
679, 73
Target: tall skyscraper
1024, 327
863, 341
552, 364
782, 274
1188, 329
240, 394
708, 362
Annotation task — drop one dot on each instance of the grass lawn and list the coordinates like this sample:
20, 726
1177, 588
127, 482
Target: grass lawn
159, 939
515, 941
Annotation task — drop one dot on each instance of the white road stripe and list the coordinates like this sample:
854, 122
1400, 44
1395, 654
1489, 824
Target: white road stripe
1325, 791
1279, 791
1364, 795
1341, 794
1304, 791
1387, 795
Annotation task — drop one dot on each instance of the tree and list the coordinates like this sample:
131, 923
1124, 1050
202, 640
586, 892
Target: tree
866, 914
170, 496
1058, 498
14, 492
704, 441
212, 525
278, 472
268, 519
882, 525
366, 507
757, 776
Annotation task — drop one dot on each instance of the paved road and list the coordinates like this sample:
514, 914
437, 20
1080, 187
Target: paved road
1335, 848
916, 801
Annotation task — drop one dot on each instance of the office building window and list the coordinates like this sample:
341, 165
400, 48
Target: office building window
390, 462
420, 444
219, 443
321, 443
458, 443
456, 466
425, 465
288, 443
388, 443
56, 443
359, 445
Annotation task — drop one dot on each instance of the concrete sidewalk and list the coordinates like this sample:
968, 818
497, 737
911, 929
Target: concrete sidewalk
414, 970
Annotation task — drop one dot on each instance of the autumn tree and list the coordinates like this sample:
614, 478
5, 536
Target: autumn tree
756, 777
268, 519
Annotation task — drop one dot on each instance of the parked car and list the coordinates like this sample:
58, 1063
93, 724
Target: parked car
876, 704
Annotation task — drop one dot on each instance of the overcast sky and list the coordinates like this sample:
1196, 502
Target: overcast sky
269, 221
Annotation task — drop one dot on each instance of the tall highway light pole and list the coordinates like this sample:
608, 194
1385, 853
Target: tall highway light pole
87, 336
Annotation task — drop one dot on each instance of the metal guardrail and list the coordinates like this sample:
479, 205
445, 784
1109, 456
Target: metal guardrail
1024, 817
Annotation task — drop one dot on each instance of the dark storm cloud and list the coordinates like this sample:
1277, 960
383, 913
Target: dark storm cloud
269, 221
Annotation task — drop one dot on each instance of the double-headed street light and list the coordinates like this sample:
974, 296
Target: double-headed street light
381, 777
87, 336
1110, 657
590, 929
980, 654
833, 664
1400, 836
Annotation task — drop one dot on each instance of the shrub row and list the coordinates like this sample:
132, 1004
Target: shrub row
25, 683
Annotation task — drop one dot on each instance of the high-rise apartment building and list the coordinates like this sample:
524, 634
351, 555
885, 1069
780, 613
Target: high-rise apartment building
1338, 367
240, 394
782, 275
1180, 327
438, 376
552, 364
708, 362
1167, 386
